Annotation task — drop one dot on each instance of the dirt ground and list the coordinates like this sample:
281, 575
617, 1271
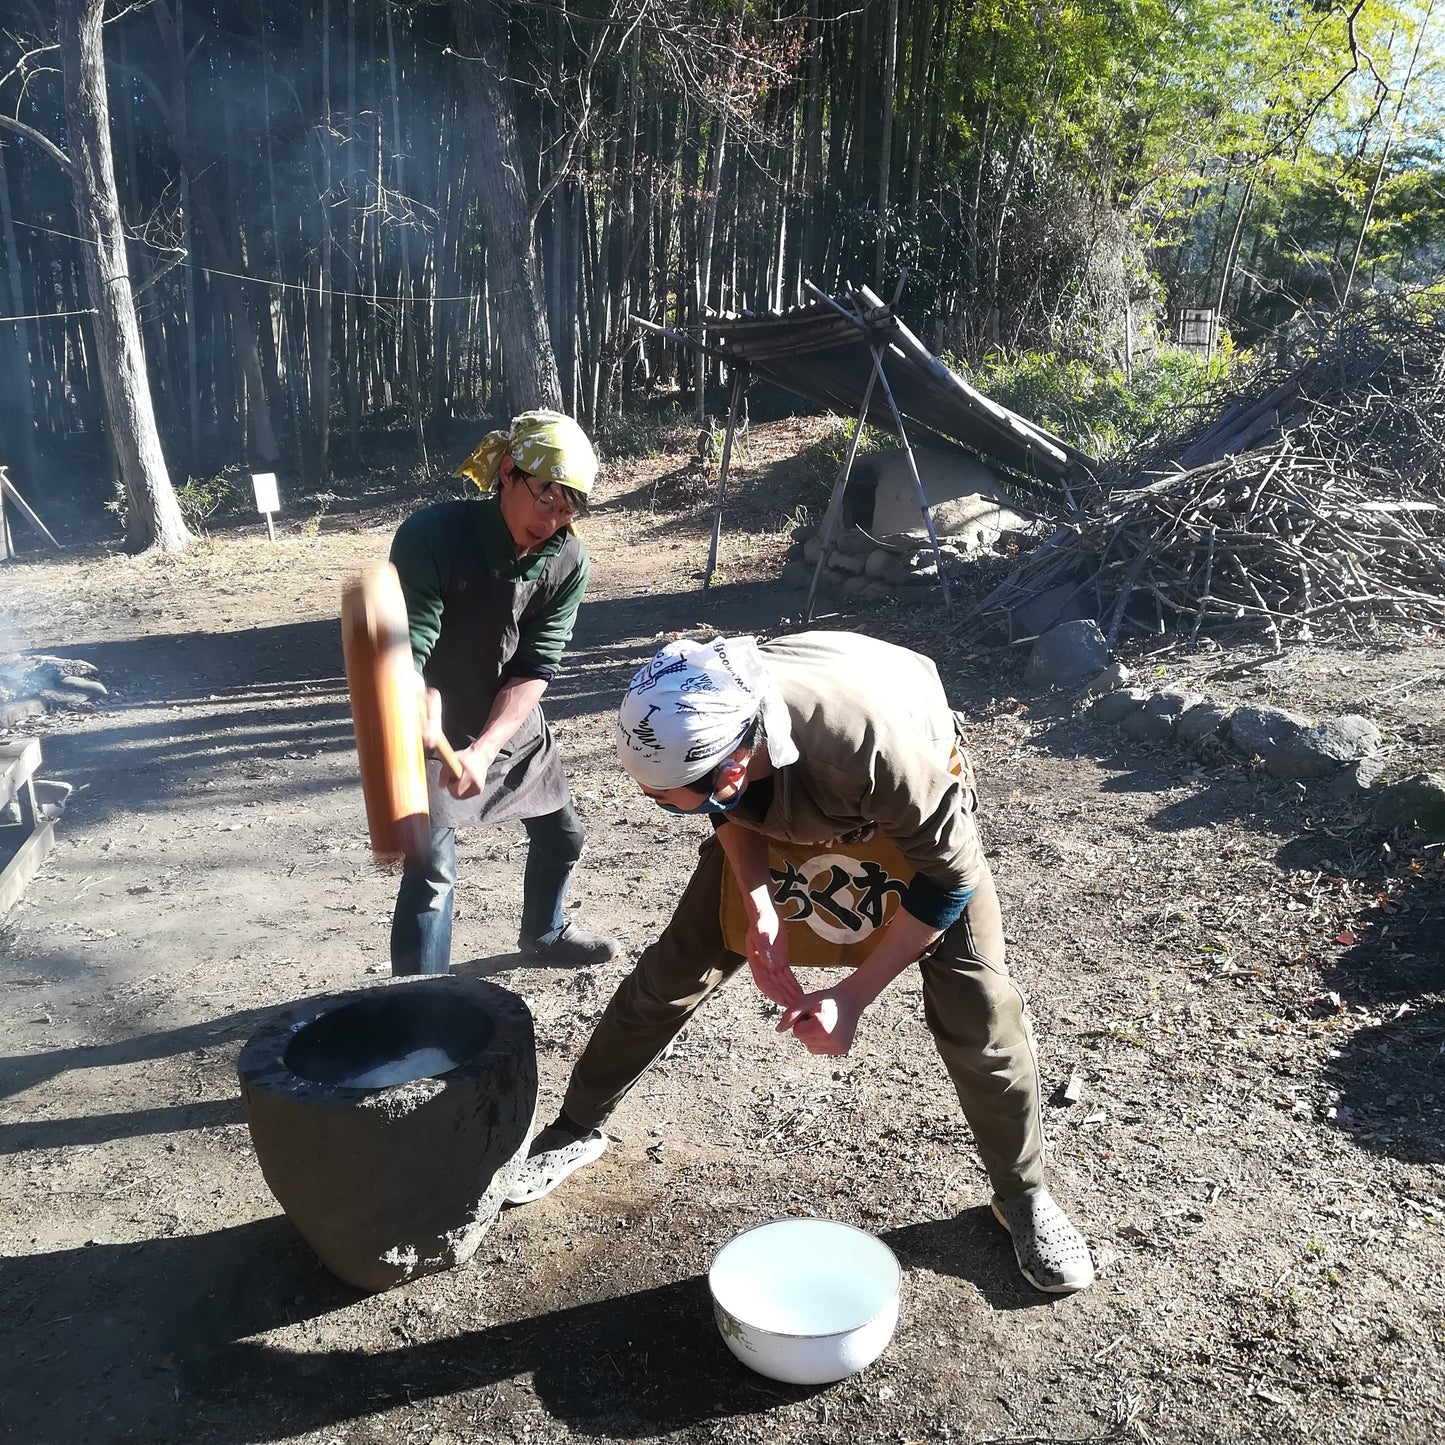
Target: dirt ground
1244, 976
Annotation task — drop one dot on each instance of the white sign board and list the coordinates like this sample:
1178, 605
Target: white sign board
267, 497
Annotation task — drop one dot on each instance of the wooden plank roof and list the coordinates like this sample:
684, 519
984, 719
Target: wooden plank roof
818, 353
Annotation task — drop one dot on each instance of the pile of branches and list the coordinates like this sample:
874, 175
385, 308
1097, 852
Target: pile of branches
1315, 503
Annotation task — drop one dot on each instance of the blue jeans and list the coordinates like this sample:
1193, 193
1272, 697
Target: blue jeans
421, 926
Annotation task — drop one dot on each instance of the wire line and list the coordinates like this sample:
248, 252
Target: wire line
253, 280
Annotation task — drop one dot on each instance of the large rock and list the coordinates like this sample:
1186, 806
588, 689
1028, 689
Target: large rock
1114, 707
1156, 721
1344, 739
1199, 722
965, 499
1416, 803
1067, 654
1068, 602
1358, 778
1255, 730
1322, 750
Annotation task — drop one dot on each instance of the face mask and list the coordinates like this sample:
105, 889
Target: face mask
708, 805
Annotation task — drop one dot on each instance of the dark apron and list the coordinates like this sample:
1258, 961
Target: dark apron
482, 616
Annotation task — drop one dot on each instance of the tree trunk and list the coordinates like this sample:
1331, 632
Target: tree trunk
153, 517
258, 403
20, 423
406, 307
885, 139
321, 306
531, 366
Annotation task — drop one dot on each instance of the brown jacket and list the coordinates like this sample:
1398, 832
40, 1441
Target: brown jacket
876, 741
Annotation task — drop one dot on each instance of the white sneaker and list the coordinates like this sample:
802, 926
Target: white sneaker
1052, 1254
555, 1154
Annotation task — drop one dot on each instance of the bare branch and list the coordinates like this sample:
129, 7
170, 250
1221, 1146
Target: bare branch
47, 146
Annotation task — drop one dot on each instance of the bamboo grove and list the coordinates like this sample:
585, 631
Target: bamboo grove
333, 209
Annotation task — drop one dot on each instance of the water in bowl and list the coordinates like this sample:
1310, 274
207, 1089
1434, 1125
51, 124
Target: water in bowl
805, 1304
418, 1064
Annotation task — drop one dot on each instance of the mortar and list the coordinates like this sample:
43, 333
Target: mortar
389, 1122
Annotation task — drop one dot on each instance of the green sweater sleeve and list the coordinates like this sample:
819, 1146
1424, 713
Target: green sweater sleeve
419, 554
544, 637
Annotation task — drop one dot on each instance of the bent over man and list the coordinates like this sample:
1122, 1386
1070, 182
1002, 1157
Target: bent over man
824, 744
492, 585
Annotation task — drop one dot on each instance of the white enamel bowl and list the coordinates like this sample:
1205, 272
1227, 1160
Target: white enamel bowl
806, 1301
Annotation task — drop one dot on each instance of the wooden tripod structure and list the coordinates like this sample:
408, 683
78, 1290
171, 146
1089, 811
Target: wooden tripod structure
853, 354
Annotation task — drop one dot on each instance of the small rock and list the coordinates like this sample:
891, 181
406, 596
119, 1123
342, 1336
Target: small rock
1066, 654
1156, 720
1359, 777
1114, 707
1345, 739
1199, 722
1413, 803
847, 562
1111, 679
878, 561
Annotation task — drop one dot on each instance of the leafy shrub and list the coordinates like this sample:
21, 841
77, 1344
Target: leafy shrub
1099, 411
642, 433
200, 498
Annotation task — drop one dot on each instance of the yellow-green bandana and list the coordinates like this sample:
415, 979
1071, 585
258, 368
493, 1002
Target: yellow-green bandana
547, 444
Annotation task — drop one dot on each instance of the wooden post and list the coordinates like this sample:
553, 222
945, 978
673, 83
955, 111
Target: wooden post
740, 386
18, 764
917, 480
7, 488
835, 501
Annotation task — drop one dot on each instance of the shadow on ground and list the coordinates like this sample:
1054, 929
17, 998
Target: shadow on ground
292, 704
1389, 1072
169, 1348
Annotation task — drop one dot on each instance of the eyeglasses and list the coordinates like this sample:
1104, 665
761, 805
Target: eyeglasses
550, 501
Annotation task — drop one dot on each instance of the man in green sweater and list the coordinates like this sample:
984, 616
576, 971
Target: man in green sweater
492, 585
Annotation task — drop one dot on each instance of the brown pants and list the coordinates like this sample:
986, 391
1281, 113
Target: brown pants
975, 1011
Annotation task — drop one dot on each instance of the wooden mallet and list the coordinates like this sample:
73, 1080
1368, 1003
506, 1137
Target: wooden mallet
381, 679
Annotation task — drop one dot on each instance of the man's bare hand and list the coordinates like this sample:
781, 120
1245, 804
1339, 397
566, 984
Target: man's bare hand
475, 761
824, 1022
767, 955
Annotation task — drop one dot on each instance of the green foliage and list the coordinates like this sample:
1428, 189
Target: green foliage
823, 459
310, 529
1100, 411
641, 433
200, 498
